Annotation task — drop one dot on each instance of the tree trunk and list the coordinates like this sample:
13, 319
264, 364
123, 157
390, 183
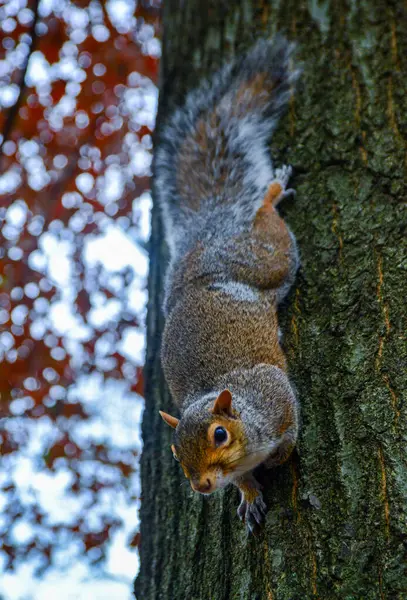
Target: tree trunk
337, 524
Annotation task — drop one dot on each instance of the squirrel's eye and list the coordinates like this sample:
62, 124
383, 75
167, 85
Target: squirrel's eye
220, 435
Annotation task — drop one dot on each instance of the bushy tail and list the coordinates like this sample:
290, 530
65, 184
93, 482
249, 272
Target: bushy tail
212, 162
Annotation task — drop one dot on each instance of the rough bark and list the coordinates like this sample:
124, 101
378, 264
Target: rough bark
337, 526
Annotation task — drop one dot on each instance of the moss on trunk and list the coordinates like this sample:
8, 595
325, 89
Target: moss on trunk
337, 526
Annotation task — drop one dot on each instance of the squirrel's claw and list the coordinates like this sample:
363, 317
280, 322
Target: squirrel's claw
289, 192
253, 513
241, 511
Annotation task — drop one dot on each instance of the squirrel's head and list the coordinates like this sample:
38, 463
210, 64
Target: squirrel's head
210, 445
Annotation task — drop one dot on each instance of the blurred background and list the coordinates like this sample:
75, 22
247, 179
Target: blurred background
78, 99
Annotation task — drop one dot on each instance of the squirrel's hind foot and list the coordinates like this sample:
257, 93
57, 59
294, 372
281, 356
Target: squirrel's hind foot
282, 175
277, 189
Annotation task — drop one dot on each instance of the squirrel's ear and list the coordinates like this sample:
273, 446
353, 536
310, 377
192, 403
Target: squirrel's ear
223, 403
171, 421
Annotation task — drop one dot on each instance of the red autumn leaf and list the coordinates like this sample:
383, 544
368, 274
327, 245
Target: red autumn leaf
135, 541
138, 385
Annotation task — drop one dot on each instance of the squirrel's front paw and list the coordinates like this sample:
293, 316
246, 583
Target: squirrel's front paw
253, 513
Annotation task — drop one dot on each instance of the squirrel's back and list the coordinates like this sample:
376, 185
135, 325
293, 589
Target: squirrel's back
213, 165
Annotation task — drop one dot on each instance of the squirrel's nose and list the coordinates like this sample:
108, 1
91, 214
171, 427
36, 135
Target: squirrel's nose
204, 487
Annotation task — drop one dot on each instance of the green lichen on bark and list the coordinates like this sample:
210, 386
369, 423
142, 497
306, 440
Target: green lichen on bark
337, 526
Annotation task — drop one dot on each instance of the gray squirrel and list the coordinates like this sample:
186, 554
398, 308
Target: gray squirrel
232, 260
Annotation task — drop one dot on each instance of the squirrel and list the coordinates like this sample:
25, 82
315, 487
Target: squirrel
232, 261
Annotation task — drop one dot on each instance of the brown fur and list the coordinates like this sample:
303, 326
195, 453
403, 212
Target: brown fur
207, 145
211, 457
247, 335
253, 94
